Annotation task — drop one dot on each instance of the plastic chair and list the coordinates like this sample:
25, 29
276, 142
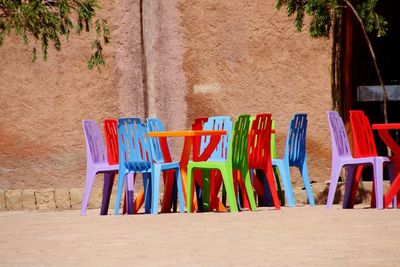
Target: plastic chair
160, 156
341, 157
96, 162
136, 156
259, 152
363, 146
196, 126
295, 156
219, 160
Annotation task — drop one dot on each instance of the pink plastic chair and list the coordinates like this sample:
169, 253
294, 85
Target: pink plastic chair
341, 157
96, 162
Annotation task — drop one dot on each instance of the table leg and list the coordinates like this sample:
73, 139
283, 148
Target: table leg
187, 147
168, 177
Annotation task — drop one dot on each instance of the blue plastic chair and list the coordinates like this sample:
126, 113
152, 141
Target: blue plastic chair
155, 125
295, 156
136, 155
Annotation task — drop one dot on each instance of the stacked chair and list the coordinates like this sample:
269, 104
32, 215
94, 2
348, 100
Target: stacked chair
97, 161
245, 150
136, 156
365, 155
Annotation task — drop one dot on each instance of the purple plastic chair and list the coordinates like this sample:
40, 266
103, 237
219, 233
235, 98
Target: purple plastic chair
96, 162
341, 157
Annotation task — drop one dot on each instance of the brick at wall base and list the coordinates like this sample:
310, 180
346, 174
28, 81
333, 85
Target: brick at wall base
320, 192
2, 200
13, 199
45, 199
28, 199
64, 198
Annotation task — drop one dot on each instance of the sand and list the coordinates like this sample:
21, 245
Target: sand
292, 236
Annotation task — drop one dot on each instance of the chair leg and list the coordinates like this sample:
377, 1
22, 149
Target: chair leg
335, 172
350, 181
90, 175
107, 189
378, 181
147, 191
206, 189
180, 190
189, 197
356, 182
155, 188
392, 176
226, 172
249, 188
258, 187
271, 183
307, 183
129, 193
121, 179
287, 184
281, 194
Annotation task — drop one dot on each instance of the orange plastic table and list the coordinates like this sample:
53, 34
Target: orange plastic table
186, 151
383, 131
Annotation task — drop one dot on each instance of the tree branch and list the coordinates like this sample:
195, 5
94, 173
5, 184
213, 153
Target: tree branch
371, 50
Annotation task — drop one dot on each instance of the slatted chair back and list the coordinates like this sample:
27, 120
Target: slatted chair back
295, 151
259, 142
363, 138
134, 144
197, 126
110, 132
95, 148
155, 125
240, 134
220, 153
339, 139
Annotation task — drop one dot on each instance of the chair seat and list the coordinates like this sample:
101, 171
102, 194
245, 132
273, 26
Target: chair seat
105, 167
168, 165
207, 164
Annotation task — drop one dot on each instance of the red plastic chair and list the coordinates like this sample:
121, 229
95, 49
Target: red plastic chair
363, 146
259, 152
110, 132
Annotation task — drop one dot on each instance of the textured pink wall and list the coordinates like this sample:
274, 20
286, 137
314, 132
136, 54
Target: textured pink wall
203, 58
42, 104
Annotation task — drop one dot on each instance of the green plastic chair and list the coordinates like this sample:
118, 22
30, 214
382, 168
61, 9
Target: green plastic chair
237, 159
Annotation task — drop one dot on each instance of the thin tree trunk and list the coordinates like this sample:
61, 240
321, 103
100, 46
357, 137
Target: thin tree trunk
371, 50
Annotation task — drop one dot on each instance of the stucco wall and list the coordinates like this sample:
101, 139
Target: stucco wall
43, 103
246, 57
203, 58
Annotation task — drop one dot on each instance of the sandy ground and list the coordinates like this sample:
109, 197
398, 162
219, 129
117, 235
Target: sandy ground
291, 237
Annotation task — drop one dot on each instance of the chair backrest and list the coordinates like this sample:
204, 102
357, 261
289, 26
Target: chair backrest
363, 138
95, 148
134, 144
196, 126
110, 132
217, 123
273, 140
339, 140
238, 150
259, 142
155, 125
295, 150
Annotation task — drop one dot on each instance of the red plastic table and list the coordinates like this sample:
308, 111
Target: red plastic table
186, 151
383, 131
